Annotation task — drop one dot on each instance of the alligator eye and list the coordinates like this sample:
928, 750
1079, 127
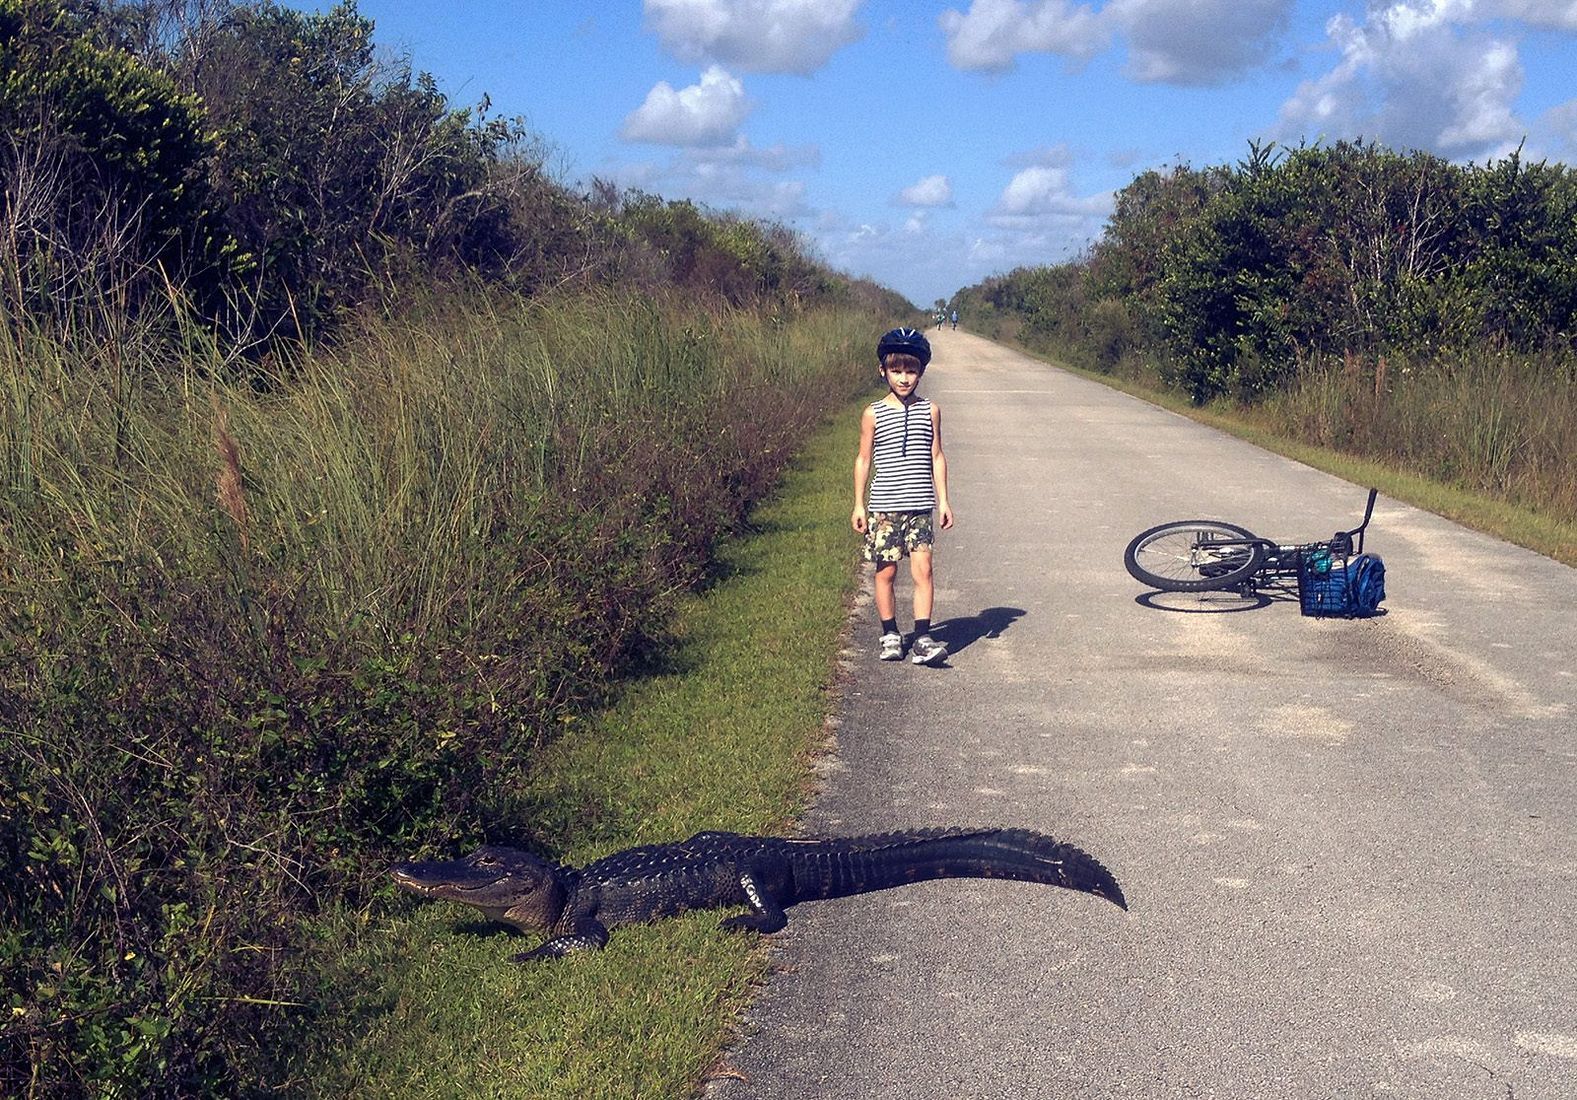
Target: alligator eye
487, 861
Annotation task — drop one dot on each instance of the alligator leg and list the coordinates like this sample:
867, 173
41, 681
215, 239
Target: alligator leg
766, 914
589, 935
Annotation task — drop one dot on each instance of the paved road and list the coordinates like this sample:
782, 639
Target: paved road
1350, 847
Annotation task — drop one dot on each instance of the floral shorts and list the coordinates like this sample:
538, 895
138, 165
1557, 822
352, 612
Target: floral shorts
890, 536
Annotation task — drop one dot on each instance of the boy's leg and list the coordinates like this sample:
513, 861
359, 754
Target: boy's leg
886, 575
886, 608
883, 548
924, 588
926, 650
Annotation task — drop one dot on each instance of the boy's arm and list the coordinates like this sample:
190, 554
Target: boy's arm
944, 511
862, 468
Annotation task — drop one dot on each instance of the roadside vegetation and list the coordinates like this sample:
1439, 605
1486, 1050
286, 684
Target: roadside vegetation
1390, 307
256, 645
720, 737
348, 463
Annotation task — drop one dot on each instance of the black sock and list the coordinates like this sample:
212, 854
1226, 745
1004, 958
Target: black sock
889, 626
922, 627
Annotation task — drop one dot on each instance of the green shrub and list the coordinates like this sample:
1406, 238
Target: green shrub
258, 643
106, 196
1235, 275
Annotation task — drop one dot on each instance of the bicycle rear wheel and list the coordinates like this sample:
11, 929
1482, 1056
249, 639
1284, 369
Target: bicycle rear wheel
1195, 555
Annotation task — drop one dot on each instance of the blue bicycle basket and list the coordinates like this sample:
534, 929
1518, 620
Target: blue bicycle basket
1334, 589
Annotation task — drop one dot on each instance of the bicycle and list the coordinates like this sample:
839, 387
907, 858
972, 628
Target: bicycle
1205, 555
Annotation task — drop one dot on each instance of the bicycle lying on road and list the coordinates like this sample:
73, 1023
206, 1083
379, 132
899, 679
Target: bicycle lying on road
1205, 555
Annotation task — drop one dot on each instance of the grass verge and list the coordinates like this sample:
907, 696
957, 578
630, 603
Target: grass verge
722, 739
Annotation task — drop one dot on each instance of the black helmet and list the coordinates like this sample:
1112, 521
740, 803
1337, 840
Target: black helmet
906, 341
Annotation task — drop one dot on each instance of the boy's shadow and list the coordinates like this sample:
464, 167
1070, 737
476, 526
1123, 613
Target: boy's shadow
960, 633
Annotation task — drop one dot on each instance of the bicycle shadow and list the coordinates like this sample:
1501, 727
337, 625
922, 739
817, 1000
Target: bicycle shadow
960, 633
1210, 603
1225, 603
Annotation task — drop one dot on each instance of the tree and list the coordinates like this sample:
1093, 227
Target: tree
1522, 225
104, 167
334, 165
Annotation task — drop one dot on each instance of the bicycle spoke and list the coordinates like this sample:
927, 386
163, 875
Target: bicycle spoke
1193, 556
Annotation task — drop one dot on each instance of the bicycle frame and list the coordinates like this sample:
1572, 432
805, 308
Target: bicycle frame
1208, 555
1282, 561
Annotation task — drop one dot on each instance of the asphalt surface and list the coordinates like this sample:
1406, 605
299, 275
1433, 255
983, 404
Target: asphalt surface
1349, 847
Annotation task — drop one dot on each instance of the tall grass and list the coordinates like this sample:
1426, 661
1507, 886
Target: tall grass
1489, 422
263, 628
719, 739
370, 468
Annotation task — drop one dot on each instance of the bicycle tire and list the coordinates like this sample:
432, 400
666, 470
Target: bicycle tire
1182, 548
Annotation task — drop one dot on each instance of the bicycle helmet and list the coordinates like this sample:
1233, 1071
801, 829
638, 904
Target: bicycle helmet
908, 341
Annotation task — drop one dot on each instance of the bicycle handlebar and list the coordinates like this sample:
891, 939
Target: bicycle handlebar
1356, 534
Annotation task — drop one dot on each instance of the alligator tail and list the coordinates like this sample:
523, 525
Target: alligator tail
862, 864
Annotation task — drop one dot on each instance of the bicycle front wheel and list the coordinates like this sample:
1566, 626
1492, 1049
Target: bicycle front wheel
1195, 555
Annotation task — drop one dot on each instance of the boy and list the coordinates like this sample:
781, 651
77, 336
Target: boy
902, 435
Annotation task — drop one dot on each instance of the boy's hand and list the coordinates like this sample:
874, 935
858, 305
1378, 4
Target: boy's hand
857, 519
946, 517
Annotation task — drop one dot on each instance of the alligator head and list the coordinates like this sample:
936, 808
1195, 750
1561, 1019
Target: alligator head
506, 884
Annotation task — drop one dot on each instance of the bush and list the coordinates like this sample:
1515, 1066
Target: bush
260, 639
105, 196
1235, 275
260, 643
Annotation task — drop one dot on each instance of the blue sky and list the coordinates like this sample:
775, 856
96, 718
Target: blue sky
928, 145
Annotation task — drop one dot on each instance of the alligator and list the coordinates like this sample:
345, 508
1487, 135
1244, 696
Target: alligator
576, 907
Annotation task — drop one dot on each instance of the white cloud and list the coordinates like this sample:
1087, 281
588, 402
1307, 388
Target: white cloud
1555, 14
1043, 156
1558, 129
1418, 75
708, 113
1043, 193
930, 191
1169, 41
771, 200
1404, 20
910, 258
764, 36
925, 262
1207, 42
771, 158
992, 33
1040, 218
719, 186
1198, 41
727, 177
1483, 97
1033, 191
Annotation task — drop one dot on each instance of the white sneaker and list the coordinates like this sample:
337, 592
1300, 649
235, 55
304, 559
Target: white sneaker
892, 647
926, 650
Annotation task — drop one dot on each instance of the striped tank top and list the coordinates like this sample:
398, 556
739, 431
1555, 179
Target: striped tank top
902, 456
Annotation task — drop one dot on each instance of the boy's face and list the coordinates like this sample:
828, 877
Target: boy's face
902, 379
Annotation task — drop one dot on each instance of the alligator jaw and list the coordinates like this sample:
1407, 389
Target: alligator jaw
415, 878
504, 883
412, 877
443, 880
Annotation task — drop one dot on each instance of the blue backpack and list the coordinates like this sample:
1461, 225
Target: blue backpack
1349, 591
